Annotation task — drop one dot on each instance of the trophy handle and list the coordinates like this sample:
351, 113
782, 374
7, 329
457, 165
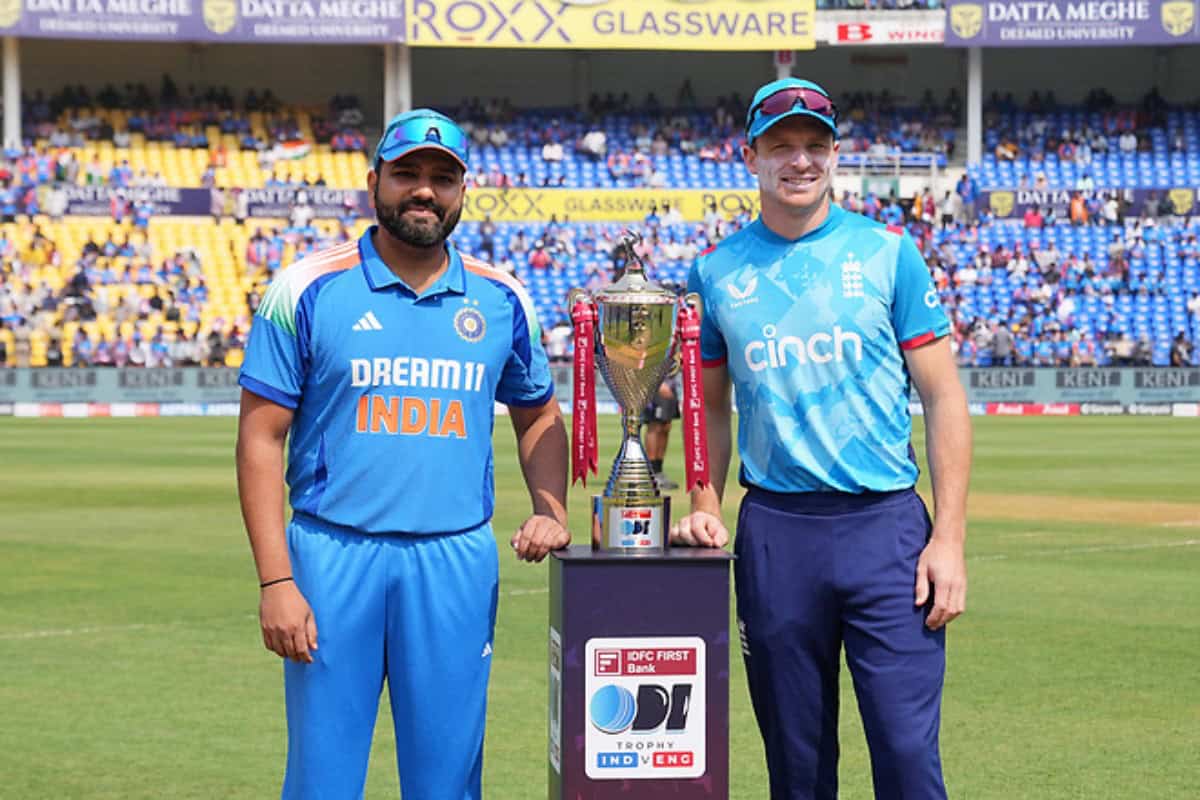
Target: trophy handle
691, 299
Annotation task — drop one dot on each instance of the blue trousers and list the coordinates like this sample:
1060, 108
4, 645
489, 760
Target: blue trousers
416, 610
814, 573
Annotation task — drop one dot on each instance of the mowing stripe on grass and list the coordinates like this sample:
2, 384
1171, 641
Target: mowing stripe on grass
1079, 551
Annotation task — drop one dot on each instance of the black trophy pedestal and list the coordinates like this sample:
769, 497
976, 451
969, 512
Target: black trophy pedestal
639, 675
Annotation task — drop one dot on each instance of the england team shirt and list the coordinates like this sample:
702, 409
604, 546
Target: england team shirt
811, 332
394, 393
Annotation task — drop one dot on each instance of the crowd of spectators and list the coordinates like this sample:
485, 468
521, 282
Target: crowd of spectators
1040, 144
1047, 289
1038, 324
627, 139
60, 129
630, 138
1041, 322
154, 302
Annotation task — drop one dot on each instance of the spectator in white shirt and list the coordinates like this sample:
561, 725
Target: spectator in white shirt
595, 144
1111, 210
1018, 266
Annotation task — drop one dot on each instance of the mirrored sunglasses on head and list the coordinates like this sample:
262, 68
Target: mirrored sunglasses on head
786, 99
425, 130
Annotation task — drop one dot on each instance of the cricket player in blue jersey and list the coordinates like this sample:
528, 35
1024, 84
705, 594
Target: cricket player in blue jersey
819, 319
379, 361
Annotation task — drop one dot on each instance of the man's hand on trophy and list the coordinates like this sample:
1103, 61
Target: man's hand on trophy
700, 529
537, 536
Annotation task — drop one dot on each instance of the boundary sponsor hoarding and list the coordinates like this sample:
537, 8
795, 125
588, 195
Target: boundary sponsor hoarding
502, 205
866, 28
1023, 391
1014, 203
702, 25
602, 205
237, 21
1070, 23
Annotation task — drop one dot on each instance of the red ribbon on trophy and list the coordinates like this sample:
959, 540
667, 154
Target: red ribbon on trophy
583, 421
695, 426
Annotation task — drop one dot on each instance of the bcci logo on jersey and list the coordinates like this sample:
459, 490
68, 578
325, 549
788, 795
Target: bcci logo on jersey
470, 325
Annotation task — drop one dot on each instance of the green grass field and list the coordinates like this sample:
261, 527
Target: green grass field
131, 664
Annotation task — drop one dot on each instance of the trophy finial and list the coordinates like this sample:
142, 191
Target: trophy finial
630, 239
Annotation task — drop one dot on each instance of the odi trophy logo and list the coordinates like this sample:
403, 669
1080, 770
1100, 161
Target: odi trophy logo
1178, 17
646, 708
966, 20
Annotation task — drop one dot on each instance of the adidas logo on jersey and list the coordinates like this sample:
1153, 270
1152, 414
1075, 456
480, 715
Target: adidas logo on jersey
487, 650
852, 277
775, 352
368, 322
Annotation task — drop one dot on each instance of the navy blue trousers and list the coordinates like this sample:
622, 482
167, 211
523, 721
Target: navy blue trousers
814, 573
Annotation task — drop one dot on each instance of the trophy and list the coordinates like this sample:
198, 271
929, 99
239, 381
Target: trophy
637, 333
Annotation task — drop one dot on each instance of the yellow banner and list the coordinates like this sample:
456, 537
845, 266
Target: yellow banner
602, 205
613, 24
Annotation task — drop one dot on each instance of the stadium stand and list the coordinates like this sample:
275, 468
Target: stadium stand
93, 292
1069, 296
1043, 145
131, 137
143, 289
620, 144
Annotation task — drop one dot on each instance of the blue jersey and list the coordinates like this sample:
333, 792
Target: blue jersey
394, 393
811, 332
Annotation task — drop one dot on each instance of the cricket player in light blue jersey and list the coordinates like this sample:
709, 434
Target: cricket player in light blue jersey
819, 319
380, 362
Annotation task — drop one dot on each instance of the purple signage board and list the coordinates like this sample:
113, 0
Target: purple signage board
639, 675
326, 202
1070, 23
270, 202
235, 21
1013, 204
96, 201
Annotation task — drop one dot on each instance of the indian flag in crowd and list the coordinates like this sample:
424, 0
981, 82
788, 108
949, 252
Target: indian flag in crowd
292, 151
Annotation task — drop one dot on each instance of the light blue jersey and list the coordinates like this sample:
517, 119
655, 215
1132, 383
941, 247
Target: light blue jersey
811, 331
394, 394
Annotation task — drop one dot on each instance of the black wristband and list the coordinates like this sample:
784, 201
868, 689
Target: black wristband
272, 583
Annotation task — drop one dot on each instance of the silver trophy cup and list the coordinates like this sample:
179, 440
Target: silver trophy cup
636, 349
